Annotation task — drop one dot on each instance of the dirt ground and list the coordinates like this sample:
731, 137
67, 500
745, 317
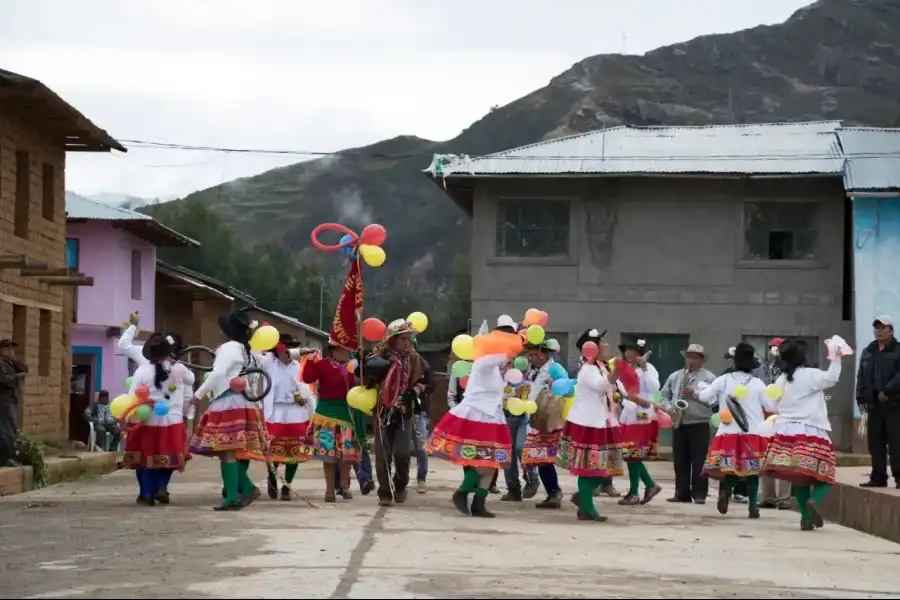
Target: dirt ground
89, 540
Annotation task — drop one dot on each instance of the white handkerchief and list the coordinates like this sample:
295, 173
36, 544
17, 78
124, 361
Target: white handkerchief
835, 342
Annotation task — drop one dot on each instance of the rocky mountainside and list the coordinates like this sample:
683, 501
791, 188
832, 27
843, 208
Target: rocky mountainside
835, 59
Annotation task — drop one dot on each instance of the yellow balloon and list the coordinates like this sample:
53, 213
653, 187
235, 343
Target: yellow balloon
612, 364
568, 403
362, 398
535, 334
373, 255
530, 407
773, 391
265, 338
120, 405
418, 320
515, 407
464, 347
771, 418
740, 391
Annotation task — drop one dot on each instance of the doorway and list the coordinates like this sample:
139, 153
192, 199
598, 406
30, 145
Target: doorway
666, 357
81, 392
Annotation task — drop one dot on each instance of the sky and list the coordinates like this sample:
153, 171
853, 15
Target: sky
314, 76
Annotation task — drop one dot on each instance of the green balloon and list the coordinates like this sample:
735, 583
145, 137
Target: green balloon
206, 376
143, 412
461, 368
521, 363
715, 421
127, 384
657, 397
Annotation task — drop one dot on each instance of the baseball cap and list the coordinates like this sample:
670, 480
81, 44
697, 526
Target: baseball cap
6, 343
884, 320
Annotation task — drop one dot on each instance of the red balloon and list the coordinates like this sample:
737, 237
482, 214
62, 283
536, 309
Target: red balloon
142, 392
590, 350
464, 382
314, 237
373, 329
238, 384
665, 421
373, 235
544, 319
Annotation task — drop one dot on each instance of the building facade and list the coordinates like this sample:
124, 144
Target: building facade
37, 129
710, 235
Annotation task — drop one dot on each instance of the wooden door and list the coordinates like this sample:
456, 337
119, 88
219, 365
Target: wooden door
81, 388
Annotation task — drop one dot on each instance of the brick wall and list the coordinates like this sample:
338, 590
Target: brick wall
24, 302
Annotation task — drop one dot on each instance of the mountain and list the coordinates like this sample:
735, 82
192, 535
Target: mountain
835, 59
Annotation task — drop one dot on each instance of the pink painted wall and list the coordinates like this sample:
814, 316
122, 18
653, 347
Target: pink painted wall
104, 253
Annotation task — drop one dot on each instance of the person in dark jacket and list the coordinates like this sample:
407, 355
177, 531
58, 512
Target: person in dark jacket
12, 377
878, 396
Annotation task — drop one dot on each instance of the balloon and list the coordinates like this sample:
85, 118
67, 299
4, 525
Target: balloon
740, 391
773, 391
142, 392
521, 363
464, 382
464, 347
161, 409
238, 384
418, 320
532, 316
530, 407
725, 416
590, 350
348, 249
314, 236
373, 329
143, 412
663, 418
120, 405
715, 421
513, 376
461, 368
373, 235
206, 376
568, 403
264, 339
557, 371
552, 345
544, 319
351, 365
656, 397
515, 406
535, 334
128, 381
373, 255
611, 363
563, 387
362, 398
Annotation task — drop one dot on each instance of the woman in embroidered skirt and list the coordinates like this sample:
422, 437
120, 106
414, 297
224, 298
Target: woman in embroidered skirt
232, 424
474, 434
158, 447
639, 430
590, 441
735, 454
801, 451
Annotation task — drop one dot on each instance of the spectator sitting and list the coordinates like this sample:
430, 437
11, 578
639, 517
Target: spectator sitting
105, 425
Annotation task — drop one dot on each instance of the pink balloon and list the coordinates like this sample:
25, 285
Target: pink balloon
544, 319
665, 421
590, 350
514, 376
373, 235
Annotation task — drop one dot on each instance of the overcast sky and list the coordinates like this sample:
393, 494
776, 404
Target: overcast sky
317, 75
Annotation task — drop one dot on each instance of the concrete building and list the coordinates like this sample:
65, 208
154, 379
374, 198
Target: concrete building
37, 129
708, 235
117, 248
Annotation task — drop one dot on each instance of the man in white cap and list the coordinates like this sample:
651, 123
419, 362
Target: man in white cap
878, 396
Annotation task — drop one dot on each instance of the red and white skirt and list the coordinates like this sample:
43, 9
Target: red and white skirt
156, 446
287, 430
738, 454
468, 437
541, 448
801, 454
230, 424
590, 451
639, 440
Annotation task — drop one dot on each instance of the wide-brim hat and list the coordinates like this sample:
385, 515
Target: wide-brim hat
590, 335
236, 326
288, 340
157, 347
639, 346
695, 349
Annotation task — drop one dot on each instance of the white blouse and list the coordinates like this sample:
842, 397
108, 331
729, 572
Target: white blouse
803, 399
172, 390
754, 404
231, 358
591, 407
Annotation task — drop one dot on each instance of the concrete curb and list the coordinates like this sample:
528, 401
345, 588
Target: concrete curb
70, 467
867, 510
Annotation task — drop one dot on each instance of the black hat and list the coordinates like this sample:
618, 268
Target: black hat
7, 343
236, 326
288, 340
157, 347
636, 345
745, 357
590, 335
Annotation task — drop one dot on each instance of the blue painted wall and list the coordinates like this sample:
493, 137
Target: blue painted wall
876, 264
97, 353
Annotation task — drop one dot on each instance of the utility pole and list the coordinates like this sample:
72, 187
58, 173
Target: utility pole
321, 301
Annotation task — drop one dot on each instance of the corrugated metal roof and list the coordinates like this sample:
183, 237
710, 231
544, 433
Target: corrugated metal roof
79, 207
872, 158
308, 328
783, 148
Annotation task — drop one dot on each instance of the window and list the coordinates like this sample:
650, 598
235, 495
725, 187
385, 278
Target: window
136, 264
23, 193
48, 193
72, 263
20, 329
780, 230
46, 341
760, 343
533, 228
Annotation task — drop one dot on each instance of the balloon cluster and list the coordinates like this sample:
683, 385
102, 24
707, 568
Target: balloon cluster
534, 323
127, 407
367, 244
374, 330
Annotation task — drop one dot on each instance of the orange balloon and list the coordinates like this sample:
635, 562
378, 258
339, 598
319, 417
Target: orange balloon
544, 318
532, 316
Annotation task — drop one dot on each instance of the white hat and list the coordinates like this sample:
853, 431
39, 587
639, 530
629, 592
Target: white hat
884, 320
694, 349
506, 321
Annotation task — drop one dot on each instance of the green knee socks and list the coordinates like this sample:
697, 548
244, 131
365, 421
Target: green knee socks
481, 493
802, 494
245, 482
637, 473
753, 492
586, 487
729, 482
471, 478
230, 477
819, 491
290, 469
